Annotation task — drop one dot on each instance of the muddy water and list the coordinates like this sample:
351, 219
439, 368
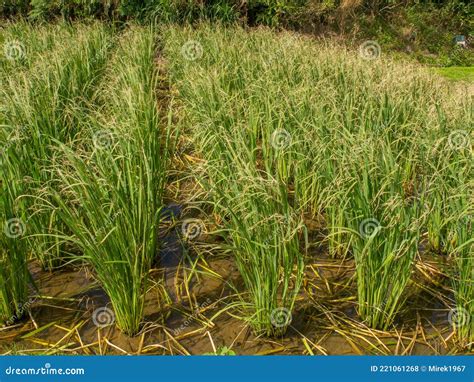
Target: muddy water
324, 322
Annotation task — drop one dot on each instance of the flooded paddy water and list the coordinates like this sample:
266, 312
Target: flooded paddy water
68, 315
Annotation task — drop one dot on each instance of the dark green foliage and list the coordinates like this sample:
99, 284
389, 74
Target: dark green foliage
70, 9
162, 10
13, 7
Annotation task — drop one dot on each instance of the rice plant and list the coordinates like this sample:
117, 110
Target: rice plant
14, 273
462, 252
386, 226
344, 138
44, 106
459, 240
294, 139
264, 234
111, 194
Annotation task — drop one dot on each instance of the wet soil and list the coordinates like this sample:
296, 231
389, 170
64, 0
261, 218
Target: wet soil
325, 320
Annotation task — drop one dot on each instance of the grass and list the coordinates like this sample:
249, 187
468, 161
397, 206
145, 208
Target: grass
463, 282
93, 158
264, 236
263, 231
14, 273
43, 107
24, 44
333, 136
111, 190
386, 231
459, 244
458, 73
40, 83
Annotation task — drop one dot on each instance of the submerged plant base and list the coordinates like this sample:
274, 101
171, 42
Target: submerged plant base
73, 296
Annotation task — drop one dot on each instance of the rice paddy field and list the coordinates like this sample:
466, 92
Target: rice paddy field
221, 190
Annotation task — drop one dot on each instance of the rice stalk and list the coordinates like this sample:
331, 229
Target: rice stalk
111, 195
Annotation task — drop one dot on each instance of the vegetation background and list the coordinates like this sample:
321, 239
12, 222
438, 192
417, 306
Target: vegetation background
424, 30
